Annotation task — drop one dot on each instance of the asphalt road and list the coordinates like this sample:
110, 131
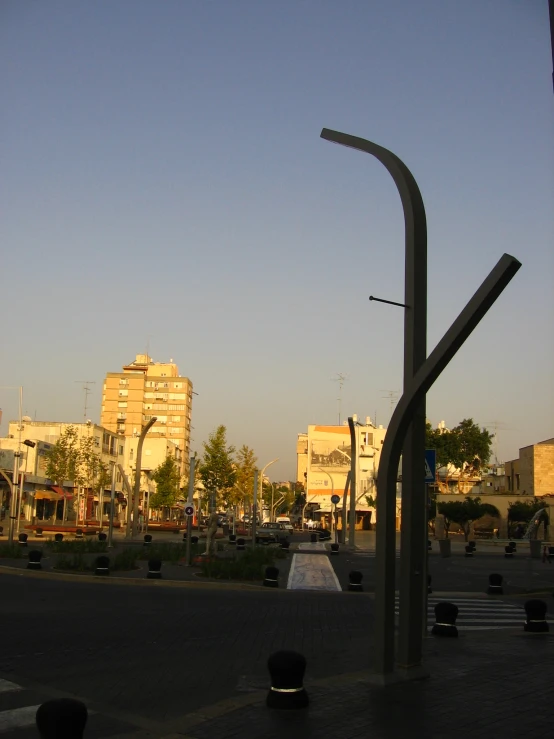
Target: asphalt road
140, 655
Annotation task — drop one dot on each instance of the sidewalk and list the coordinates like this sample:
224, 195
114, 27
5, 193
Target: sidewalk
480, 684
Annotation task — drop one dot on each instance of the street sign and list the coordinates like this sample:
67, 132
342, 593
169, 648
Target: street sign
430, 465
335, 499
189, 510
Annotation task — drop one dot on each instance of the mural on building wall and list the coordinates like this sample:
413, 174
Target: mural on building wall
329, 454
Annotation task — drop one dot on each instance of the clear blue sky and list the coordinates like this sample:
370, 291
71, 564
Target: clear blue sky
163, 181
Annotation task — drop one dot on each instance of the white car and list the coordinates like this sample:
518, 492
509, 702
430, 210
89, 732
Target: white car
285, 520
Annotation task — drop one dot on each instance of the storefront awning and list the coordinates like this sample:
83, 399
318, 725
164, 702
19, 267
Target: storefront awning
61, 491
47, 495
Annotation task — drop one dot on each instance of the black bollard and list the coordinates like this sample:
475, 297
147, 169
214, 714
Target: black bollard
185, 538
334, 548
286, 670
472, 545
535, 622
495, 584
35, 555
285, 545
154, 569
241, 545
38, 533
23, 540
62, 718
550, 554
313, 538
429, 588
513, 545
232, 540
102, 536
102, 565
355, 581
445, 619
58, 537
79, 534
429, 545
194, 540
469, 551
147, 540
508, 552
324, 535
271, 579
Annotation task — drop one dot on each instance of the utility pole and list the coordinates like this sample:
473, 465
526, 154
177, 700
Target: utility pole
341, 379
392, 397
86, 390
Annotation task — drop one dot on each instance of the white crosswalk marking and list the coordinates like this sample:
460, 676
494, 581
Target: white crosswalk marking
17, 718
480, 614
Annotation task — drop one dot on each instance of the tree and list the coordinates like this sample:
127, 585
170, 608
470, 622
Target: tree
464, 513
466, 447
62, 459
92, 472
217, 470
167, 479
523, 511
245, 466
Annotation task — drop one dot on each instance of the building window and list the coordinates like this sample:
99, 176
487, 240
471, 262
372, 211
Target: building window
517, 481
131, 451
175, 418
120, 449
124, 382
177, 385
123, 393
122, 404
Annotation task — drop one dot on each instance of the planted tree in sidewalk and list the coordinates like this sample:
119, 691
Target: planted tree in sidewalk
62, 459
464, 513
92, 473
245, 466
217, 470
522, 512
167, 479
466, 447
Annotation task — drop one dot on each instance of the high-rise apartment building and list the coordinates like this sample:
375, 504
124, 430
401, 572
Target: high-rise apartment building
145, 389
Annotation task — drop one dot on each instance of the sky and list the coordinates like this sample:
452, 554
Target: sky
164, 186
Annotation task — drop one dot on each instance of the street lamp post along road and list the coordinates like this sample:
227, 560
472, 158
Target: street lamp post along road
259, 478
406, 432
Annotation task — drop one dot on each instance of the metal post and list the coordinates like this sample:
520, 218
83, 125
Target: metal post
20, 498
13, 497
353, 482
344, 499
332, 493
136, 494
112, 504
190, 501
255, 508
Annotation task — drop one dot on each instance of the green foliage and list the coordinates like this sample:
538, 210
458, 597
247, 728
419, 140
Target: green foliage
126, 559
63, 458
12, 551
245, 466
249, 565
167, 479
523, 511
217, 470
466, 446
92, 473
465, 512
83, 546
75, 562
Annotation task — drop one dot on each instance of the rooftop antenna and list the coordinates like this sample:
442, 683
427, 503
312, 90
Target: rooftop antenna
341, 379
392, 396
86, 390
496, 426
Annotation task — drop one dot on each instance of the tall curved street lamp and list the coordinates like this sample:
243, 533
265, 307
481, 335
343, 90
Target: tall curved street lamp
255, 507
136, 492
406, 432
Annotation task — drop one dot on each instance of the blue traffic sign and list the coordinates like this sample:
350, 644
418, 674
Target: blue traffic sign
430, 465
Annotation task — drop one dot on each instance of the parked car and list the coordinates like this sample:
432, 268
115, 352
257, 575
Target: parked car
285, 520
271, 532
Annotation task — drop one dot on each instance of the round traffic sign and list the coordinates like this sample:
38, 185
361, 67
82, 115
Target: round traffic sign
335, 499
189, 510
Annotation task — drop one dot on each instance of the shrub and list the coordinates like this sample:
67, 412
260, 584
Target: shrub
249, 565
78, 547
74, 561
170, 552
12, 551
126, 559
